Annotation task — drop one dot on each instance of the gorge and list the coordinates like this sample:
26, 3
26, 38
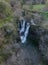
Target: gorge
23, 39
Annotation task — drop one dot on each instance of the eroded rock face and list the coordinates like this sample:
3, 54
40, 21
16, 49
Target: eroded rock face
43, 46
39, 37
35, 33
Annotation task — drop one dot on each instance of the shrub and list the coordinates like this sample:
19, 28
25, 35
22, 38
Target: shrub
5, 12
5, 9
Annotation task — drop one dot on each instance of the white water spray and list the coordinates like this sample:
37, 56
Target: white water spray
24, 37
22, 27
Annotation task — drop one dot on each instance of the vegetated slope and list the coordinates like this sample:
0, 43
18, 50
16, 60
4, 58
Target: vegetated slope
12, 53
5, 12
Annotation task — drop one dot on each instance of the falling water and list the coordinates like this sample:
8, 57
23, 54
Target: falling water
24, 29
22, 26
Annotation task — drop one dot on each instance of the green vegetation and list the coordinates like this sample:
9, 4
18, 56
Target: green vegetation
5, 12
2, 22
44, 14
40, 10
37, 7
34, 7
5, 0
9, 33
5, 8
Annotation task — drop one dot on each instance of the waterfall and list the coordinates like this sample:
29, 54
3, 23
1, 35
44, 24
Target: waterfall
24, 30
22, 26
24, 37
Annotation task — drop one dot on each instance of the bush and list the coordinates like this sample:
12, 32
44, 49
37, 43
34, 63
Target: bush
5, 12
5, 9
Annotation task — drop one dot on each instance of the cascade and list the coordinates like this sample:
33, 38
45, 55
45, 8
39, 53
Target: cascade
24, 29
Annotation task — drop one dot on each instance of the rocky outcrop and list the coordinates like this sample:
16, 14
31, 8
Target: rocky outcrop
43, 46
39, 37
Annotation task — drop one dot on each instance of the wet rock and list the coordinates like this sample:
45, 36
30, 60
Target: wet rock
35, 33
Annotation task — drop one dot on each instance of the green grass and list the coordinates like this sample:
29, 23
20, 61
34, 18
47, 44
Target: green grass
37, 7
34, 7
